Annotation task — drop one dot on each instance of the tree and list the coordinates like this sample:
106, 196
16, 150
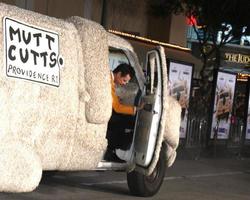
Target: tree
228, 18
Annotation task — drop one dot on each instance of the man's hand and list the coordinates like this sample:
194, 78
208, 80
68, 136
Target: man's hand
141, 106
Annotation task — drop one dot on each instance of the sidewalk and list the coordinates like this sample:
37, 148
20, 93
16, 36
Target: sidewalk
219, 151
209, 166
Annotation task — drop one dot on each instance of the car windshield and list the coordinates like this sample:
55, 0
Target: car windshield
116, 57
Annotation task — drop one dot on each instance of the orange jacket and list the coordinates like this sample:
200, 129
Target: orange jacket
117, 106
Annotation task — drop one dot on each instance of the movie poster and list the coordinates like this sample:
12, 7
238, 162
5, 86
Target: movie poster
248, 120
223, 102
180, 77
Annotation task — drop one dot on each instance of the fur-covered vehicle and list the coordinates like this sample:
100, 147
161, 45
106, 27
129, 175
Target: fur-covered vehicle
55, 97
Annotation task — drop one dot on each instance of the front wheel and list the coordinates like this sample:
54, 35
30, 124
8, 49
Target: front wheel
145, 186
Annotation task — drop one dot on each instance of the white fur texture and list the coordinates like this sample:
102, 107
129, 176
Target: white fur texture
172, 129
118, 42
20, 166
64, 126
95, 70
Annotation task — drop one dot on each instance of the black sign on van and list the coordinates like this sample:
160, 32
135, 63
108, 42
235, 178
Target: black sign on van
31, 53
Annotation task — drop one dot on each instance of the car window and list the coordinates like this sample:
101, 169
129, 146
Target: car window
128, 93
117, 57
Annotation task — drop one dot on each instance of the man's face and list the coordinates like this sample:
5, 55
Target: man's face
121, 80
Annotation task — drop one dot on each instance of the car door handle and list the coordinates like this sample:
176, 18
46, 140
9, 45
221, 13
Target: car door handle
148, 107
155, 112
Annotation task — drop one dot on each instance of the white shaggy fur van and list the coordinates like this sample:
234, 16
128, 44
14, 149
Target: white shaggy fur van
55, 102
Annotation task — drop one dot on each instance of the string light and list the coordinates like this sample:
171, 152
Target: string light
240, 76
243, 77
149, 40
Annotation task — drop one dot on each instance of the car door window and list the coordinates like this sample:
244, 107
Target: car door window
127, 94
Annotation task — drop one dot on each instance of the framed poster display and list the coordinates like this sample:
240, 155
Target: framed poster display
180, 78
223, 103
248, 117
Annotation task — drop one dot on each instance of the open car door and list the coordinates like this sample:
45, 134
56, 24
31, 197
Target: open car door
149, 149
149, 124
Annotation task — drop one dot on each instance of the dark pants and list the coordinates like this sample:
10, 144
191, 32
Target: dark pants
118, 137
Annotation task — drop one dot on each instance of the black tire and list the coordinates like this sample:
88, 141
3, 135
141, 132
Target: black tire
146, 186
